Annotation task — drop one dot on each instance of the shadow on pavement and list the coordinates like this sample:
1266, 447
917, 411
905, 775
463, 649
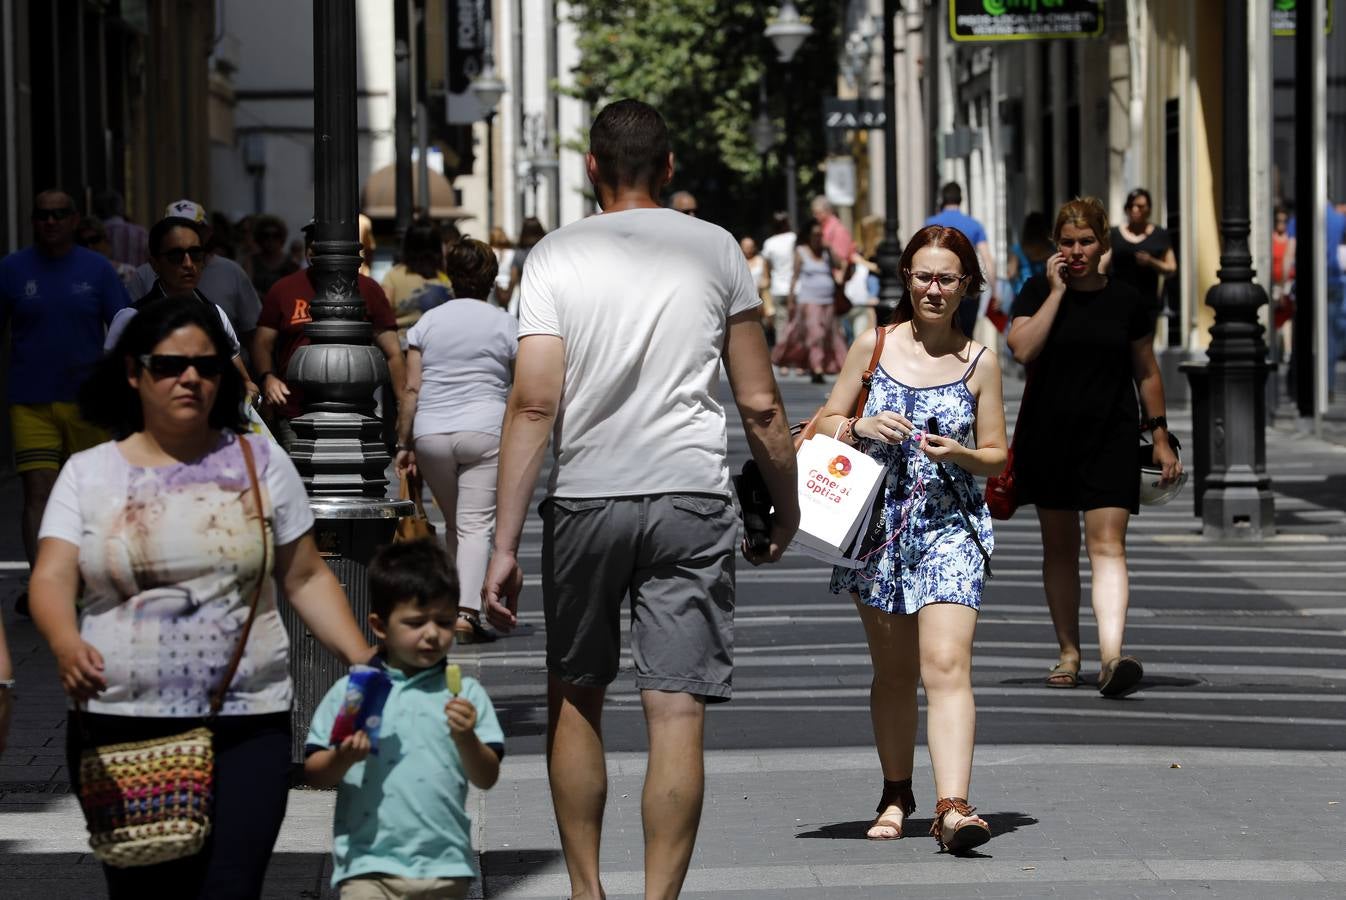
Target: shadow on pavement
1001, 823
1089, 678
508, 864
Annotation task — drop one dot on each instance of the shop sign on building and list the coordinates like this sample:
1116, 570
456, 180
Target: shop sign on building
1283, 18
466, 46
853, 115
1024, 20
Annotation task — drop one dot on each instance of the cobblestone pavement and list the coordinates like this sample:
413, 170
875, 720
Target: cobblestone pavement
1223, 777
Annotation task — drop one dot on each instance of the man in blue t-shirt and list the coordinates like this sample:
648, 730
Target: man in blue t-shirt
951, 216
58, 299
1334, 235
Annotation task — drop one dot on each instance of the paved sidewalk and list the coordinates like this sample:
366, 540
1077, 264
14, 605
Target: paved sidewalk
1069, 822
1151, 815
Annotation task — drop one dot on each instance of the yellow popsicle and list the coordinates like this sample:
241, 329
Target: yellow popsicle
453, 677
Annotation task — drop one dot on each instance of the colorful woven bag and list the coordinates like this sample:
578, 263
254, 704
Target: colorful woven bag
149, 802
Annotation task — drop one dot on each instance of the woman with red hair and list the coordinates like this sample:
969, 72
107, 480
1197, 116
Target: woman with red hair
933, 397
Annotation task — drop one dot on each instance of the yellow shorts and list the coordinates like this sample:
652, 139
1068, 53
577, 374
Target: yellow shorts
45, 434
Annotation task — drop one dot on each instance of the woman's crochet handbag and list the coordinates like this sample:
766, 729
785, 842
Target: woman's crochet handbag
149, 802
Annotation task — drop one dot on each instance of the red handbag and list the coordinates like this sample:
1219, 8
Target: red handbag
1002, 494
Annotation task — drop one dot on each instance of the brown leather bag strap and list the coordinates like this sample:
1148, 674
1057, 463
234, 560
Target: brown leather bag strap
866, 377
217, 695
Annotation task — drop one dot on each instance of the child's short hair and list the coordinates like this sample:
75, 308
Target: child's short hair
418, 571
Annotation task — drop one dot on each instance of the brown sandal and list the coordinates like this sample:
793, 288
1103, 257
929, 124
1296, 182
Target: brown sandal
971, 832
1062, 676
895, 793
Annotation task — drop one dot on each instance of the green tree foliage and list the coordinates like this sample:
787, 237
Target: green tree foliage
700, 62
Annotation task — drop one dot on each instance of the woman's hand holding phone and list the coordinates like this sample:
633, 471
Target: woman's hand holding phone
1057, 272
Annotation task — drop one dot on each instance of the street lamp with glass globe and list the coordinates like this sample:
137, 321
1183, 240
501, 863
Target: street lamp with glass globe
787, 33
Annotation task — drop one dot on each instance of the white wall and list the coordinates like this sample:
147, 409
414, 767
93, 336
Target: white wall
276, 54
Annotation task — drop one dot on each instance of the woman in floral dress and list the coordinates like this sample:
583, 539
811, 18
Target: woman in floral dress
934, 396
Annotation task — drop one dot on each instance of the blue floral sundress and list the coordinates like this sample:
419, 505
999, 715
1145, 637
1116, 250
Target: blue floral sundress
929, 556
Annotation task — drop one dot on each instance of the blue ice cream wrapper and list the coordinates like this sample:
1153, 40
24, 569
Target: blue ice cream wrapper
362, 708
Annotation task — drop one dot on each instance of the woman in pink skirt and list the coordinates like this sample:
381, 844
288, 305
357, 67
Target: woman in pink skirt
812, 340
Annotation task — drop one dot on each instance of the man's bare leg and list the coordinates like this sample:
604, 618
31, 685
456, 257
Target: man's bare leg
670, 806
579, 779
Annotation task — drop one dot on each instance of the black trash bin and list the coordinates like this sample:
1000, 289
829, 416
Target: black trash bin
348, 532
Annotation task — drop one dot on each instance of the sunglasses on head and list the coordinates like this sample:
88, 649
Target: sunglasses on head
169, 365
50, 215
175, 255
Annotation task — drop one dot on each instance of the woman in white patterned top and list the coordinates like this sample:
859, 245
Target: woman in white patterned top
161, 528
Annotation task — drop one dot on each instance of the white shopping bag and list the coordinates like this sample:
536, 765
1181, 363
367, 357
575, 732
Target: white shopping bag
837, 487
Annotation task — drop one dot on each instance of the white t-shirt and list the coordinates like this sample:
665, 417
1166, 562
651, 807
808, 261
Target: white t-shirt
169, 560
641, 299
124, 317
466, 348
779, 250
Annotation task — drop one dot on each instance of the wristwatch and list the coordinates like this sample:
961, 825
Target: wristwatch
1156, 422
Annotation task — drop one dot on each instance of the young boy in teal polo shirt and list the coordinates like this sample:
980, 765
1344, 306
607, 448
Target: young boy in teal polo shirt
401, 827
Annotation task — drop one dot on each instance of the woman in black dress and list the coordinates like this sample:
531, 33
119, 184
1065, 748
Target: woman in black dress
1141, 251
1087, 340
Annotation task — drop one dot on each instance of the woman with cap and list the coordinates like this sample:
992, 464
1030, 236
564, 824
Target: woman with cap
178, 257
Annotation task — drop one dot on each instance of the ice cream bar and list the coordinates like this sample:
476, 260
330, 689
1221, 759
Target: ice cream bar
362, 708
453, 677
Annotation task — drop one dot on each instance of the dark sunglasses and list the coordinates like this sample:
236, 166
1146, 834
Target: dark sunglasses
175, 255
50, 215
167, 365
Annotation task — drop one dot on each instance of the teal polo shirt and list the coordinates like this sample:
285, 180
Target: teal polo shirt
403, 812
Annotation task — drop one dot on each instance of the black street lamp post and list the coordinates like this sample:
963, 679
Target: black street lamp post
402, 113
1234, 496
787, 32
889, 251
338, 447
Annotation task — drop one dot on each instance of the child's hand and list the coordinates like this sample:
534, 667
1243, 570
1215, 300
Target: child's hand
353, 749
462, 716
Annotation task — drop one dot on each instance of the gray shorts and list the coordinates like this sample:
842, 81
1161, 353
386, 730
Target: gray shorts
673, 555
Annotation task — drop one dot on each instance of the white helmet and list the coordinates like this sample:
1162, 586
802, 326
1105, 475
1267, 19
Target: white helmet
1152, 493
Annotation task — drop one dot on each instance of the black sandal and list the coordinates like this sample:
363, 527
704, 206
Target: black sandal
469, 630
971, 833
895, 793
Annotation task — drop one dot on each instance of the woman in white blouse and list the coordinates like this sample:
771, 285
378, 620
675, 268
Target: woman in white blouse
460, 357
159, 532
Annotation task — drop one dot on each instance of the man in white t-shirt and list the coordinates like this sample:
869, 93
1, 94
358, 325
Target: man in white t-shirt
779, 252
624, 321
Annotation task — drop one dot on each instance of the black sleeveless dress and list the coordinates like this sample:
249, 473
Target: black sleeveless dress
1078, 428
